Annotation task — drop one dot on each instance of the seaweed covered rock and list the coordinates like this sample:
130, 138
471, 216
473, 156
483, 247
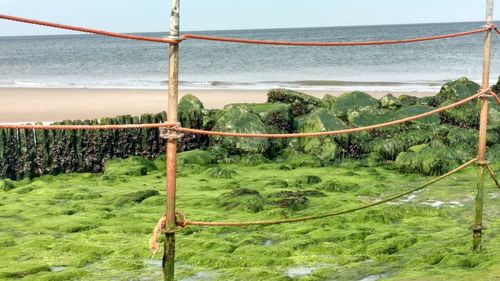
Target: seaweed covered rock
197, 157
242, 199
320, 120
390, 102
370, 116
274, 115
455, 90
430, 159
293, 200
328, 101
241, 119
221, 173
466, 115
7, 185
353, 100
190, 115
336, 186
136, 197
407, 100
301, 103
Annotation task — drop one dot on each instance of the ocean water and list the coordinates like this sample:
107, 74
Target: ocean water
99, 62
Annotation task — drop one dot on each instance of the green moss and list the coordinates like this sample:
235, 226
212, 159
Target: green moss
134, 166
221, 173
7, 185
241, 119
242, 199
136, 197
434, 159
197, 157
300, 103
353, 100
73, 221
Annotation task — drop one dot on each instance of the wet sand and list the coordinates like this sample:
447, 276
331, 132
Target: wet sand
51, 104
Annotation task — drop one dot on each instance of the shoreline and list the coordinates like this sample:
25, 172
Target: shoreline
57, 104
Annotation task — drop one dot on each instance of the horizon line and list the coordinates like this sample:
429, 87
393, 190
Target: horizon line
248, 29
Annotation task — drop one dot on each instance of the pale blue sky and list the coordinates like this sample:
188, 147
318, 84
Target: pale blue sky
152, 15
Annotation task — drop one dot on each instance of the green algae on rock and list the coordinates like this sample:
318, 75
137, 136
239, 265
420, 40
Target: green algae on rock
300, 103
241, 119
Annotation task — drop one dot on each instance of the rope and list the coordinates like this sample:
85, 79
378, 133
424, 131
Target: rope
330, 133
492, 174
333, 44
238, 40
89, 30
184, 222
495, 96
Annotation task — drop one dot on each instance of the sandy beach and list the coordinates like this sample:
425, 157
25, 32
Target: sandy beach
54, 104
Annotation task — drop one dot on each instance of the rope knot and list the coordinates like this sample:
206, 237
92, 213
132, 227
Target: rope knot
170, 131
160, 227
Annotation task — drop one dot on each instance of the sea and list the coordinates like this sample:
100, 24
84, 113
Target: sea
92, 61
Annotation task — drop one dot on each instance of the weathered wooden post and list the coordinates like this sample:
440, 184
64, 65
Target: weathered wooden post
171, 151
483, 124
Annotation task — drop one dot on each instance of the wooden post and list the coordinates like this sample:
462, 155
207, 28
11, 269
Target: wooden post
483, 125
171, 150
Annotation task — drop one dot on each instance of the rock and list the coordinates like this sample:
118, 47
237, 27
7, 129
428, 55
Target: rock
353, 100
191, 115
243, 199
371, 116
407, 100
198, 157
293, 200
335, 186
390, 102
241, 119
455, 90
221, 173
328, 101
320, 120
433, 159
300, 103
467, 115
274, 115
307, 180
7, 185
136, 197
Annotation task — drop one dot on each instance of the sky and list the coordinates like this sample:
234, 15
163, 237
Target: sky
152, 15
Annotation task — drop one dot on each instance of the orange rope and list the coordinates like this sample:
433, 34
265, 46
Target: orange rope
331, 133
89, 30
238, 40
333, 44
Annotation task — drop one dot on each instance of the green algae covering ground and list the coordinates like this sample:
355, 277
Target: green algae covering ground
97, 226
